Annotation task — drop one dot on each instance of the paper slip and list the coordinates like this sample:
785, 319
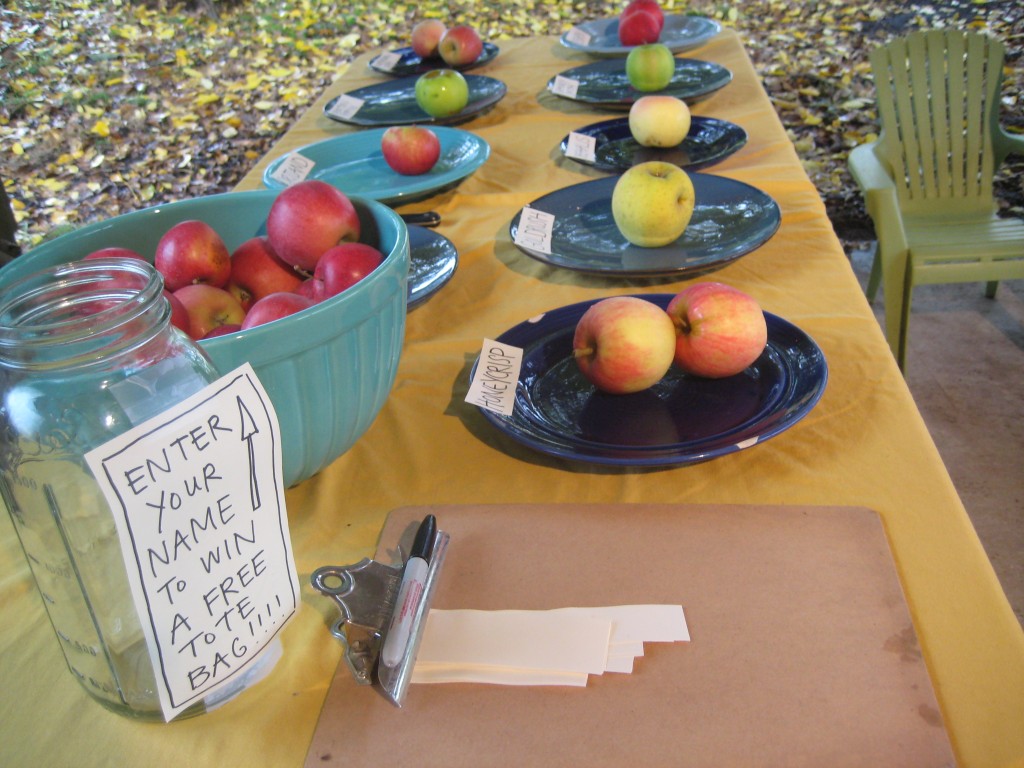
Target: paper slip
345, 106
494, 383
293, 169
556, 647
565, 86
581, 147
534, 230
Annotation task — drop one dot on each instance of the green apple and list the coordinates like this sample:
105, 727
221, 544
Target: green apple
442, 92
650, 67
652, 203
659, 120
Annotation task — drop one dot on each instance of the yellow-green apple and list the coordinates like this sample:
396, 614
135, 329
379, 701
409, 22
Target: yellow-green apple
624, 344
442, 92
410, 149
343, 266
652, 203
208, 307
306, 219
460, 45
720, 330
274, 307
639, 26
191, 252
650, 67
256, 271
426, 35
659, 120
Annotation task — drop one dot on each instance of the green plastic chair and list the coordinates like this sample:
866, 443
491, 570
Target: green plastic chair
927, 180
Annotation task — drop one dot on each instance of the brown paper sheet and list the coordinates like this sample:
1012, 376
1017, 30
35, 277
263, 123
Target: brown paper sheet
802, 651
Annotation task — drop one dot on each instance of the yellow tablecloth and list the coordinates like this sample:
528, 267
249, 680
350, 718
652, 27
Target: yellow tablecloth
863, 445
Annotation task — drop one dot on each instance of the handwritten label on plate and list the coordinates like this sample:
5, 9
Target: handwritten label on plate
534, 230
497, 373
578, 36
198, 502
387, 61
581, 147
345, 106
565, 86
293, 169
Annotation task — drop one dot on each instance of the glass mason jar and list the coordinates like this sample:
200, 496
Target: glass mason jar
87, 351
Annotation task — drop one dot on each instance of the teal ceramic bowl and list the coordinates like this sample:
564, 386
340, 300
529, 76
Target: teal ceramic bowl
328, 370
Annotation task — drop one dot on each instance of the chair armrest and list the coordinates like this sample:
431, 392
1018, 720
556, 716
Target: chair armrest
879, 195
1007, 144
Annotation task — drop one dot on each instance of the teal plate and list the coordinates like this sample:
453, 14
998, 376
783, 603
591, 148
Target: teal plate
355, 164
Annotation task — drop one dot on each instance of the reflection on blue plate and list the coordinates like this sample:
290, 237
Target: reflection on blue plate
404, 61
709, 141
605, 83
355, 164
394, 103
601, 37
681, 420
433, 260
730, 219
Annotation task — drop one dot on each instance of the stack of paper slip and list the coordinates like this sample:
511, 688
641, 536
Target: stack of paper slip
562, 646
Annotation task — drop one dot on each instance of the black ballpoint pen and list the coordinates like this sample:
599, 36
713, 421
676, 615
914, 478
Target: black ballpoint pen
414, 579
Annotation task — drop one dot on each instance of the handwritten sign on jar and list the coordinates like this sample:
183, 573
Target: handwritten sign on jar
198, 499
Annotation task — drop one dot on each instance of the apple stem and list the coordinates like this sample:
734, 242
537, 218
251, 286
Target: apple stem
582, 352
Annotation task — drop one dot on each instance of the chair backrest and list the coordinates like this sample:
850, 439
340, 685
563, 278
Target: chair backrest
938, 102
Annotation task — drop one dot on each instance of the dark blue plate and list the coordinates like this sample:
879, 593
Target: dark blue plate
600, 37
730, 219
605, 84
432, 262
681, 420
408, 63
394, 102
709, 141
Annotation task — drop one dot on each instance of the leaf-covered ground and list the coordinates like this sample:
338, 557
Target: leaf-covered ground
114, 105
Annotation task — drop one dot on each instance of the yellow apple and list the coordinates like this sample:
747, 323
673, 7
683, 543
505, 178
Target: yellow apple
652, 203
659, 121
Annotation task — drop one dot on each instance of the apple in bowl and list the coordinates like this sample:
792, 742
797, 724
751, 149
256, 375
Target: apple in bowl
652, 203
308, 218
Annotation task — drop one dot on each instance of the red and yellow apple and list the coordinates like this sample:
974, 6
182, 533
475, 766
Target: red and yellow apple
624, 344
274, 307
720, 330
652, 203
460, 46
308, 218
650, 67
191, 252
639, 24
659, 120
256, 271
426, 35
442, 92
341, 267
208, 307
179, 315
410, 150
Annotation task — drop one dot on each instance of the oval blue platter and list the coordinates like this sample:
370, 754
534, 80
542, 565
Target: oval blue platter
600, 37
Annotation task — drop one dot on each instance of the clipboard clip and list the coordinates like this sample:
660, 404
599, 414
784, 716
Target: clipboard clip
365, 594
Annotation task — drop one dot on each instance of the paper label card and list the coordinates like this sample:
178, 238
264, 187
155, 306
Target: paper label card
345, 106
534, 230
387, 61
581, 147
578, 36
565, 86
497, 374
198, 500
293, 169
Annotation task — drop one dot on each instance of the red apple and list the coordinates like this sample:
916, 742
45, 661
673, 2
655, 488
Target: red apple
223, 330
425, 37
624, 344
460, 46
308, 218
410, 149
191, 252
274, 307
345, 265
311, 288
179, 315
256, 271
638, 27
650, 6
208, 307
720, 329
115, 252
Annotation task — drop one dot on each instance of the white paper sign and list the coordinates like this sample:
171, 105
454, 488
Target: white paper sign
565, 86
494, 385
345, 106
534, 230
581, 146
387, 61
294, 168
577, 36
198, 499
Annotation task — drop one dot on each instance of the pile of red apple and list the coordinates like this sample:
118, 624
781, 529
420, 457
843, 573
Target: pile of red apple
311, 252
457, 46
626, 344
641, 22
